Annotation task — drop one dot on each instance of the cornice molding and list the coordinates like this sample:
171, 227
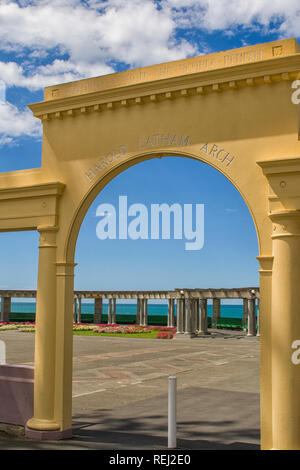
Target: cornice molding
37, 190
280, 165
265, 72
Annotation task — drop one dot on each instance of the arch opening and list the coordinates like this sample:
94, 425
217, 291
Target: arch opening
136, 419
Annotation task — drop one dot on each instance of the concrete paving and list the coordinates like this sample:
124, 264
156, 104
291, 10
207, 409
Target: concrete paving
120, 388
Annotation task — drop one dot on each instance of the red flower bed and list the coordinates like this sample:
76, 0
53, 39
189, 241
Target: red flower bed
166, 332
164, 335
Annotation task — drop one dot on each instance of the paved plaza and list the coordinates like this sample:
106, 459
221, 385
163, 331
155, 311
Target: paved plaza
120, 388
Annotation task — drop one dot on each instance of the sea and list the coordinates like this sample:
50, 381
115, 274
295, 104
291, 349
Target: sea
227, 311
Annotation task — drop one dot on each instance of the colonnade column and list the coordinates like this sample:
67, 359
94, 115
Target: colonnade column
189, 318
216, 311
180, 316
141, 314
138, 312
5, 308
75, 309
171, 313
79, 310
251, 317
196, 314
145, 312
45, 335
285, 330
258, 319
245, 314
114, 311
109, 314
202, 329
98, 310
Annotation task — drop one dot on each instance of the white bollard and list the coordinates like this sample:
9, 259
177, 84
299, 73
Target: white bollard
2, 352
172, 413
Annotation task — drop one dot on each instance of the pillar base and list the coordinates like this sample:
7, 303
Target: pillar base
185, 335
190, 335
48, 435
42, 425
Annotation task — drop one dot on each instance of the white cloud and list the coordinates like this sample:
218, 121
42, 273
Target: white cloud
55, 41
5, 141
212, 15
15, 123
133, 32
58, 71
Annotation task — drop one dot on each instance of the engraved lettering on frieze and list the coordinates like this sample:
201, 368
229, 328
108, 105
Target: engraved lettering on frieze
243, 57
192, 65
213, 151
146, 143
162, 140
103, 162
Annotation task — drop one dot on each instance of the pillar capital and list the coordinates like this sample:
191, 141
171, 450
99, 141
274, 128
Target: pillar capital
283, 175
285, 223
265, 264
47, 228
47, 236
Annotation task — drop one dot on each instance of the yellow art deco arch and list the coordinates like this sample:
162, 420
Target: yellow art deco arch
231, 110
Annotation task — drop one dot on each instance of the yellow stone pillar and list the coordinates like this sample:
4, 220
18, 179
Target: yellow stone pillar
265, 289
64, 347
45, 336
285, 329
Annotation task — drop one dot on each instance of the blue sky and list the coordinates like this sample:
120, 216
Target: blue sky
46, 42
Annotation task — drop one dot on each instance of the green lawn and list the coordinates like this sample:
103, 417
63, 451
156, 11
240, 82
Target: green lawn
90, 332
150, 334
